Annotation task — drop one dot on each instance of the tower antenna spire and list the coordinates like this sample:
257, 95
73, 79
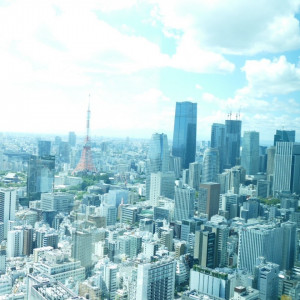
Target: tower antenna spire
86, 164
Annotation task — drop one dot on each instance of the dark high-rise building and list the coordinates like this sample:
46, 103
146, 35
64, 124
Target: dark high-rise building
40, 176
72, 139
185, 129
232, 142
44, 148
284, 136
217, 141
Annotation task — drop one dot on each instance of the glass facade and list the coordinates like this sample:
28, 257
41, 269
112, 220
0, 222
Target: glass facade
185, 129
40, 176
232, 142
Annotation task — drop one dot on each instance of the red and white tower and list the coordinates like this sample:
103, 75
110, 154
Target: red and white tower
86, 164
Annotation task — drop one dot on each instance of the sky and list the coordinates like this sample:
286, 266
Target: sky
137, 58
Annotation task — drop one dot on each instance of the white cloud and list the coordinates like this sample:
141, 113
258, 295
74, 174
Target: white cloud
190, 57
266, 77
236, 27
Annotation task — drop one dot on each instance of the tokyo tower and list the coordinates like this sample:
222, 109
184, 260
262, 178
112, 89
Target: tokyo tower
86, 164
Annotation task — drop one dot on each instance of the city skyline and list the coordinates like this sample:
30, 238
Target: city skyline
148, 56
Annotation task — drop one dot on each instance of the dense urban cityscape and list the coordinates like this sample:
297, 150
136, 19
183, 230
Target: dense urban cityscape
150, 150
151, 219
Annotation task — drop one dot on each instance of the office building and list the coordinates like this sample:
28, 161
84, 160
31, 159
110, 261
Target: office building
8, 201
72, 139
205, 248
44, 148
158, 153
40, 176
185, 129
156, 280
194, 175
287, 168
250, 152
82, 248
284, 136
28, 243
217, 141
266, 279
210, 169
232, 143
158, 158
289, 245
270, 161
59, 202
184, 202
15, 243
161, 184
110, 280
209, 194
255, 241
214, 283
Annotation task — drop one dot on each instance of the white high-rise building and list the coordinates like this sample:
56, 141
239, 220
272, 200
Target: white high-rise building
184, 202
8, 199
161, 184
15, 243
259, 240
250, 152
156, 280
110, 280
211, 164
287, 167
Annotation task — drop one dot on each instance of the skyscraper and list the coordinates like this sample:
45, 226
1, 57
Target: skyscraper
82, 248
184, 202
40, 176
250, 152
270, 161
8, 199
218, 141
161, 184
232, 142
287, 167
185, 129
194, 175
72, 139
209, 195
259, 240
156, 280
210, 169
266, 279
44, 148
158, 153
284, 136
158, 158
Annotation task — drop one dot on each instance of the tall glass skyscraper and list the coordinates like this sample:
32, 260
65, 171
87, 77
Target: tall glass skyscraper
232, 142
218, 141
158, 158
40, 176
185, 130
250, 152
284, 136
210, 169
